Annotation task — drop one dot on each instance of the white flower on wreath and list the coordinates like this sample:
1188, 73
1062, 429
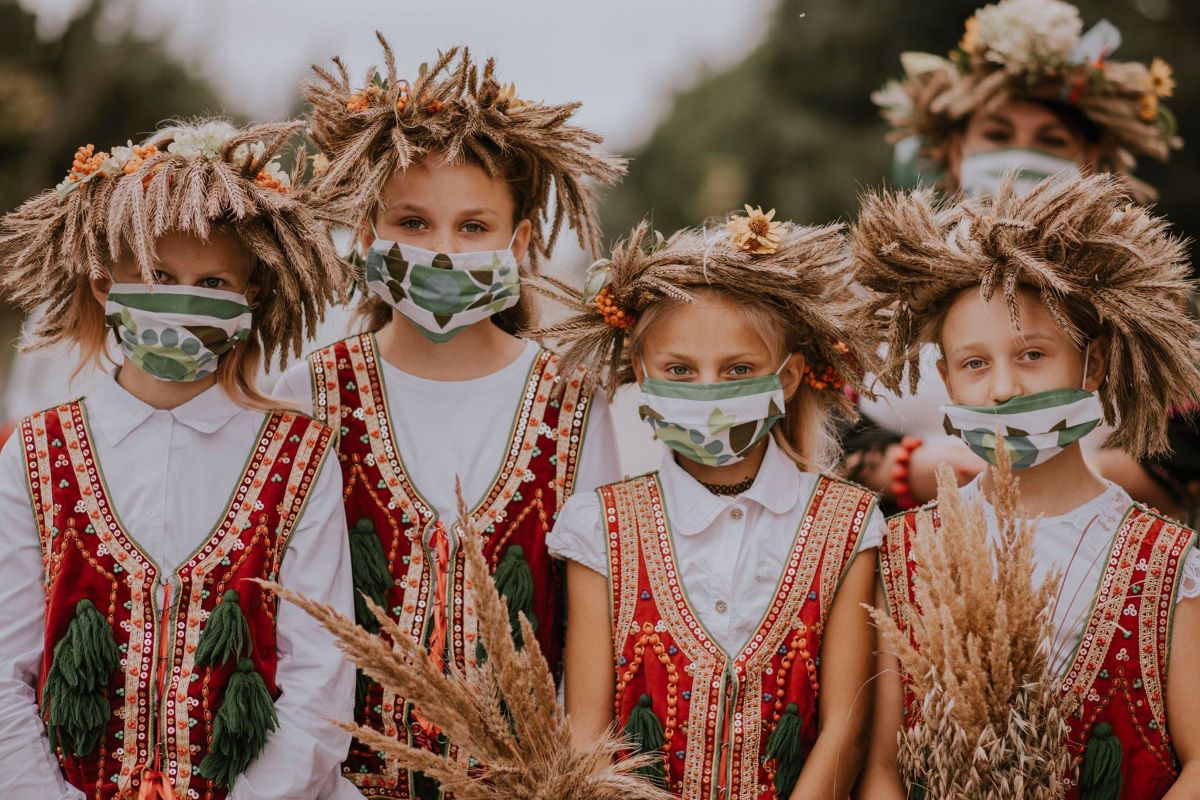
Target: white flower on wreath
203, 141
1028, 35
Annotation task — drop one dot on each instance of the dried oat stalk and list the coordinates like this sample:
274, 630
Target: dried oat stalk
989, 722
504, 715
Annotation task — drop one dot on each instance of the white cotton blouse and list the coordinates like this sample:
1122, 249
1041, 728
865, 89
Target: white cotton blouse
730, 550
1078, 543
448, 430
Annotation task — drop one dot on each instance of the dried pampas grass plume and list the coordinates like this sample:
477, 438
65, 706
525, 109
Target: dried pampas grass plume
504, 715
990, 722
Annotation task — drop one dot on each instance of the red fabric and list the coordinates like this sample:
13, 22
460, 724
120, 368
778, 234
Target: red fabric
706, 700
1118, 675
89, 555
519, 510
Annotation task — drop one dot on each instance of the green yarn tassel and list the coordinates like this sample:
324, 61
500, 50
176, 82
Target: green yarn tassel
361, 684
644, 731
84, 660
368, 566
1100, 773
245, 718
785, 745
514, 581
226, 634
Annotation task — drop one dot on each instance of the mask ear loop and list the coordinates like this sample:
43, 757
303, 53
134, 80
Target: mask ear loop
1087, 351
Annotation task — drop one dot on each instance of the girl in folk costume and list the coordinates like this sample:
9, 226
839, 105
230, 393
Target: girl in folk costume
1053, 312
724, 588
451, 177
1026, 90
139, 654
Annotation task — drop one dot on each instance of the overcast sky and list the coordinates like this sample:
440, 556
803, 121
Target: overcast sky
623, 58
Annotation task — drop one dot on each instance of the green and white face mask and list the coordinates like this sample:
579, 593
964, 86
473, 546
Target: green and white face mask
982, 173
1036, 427
176, 333
712, 423
442, 293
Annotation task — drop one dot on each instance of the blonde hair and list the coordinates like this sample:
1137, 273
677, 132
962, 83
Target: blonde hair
806, 434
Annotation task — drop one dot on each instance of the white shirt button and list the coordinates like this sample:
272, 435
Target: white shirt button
721, 606
737, 513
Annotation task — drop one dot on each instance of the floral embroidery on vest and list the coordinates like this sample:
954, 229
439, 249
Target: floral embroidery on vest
535, 478
719, 709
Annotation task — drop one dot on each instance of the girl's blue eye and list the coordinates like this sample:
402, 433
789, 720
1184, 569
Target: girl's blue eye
740, 369
1034, 355
412, 224
473, 227
974, 363
677, 370
212, 283
161, 277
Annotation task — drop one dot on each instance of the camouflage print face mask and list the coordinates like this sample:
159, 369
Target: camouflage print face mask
443, 293
176, 333
712, 423
1036, 427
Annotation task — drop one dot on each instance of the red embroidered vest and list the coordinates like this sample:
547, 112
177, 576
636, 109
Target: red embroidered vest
89, 554
1117, 676
719, 709
535, 479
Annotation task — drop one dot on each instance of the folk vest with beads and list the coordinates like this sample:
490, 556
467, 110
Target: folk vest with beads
162, 703
1115, 684
518, 511
718, 710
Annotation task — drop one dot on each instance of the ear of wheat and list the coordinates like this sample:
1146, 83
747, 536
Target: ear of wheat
990, 726
514, 741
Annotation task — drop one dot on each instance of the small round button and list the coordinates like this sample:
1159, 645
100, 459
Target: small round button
721, 606
736, 513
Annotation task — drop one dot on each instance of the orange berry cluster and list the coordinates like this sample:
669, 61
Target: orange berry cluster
613, 314
140, 154
361, 100
822, 376
269, 182
87, 161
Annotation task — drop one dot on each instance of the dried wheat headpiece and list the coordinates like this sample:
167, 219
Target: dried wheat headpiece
1033, 49
801, 271
458, 111
193, 178
1081, 244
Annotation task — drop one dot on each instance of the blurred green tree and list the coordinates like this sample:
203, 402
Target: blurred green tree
97, 81
792, 126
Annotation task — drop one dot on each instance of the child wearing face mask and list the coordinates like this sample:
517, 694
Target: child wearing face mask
710, 602
138, 653
1054, 311
452, 177
1027, 92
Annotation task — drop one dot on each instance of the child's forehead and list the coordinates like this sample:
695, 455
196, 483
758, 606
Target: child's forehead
970, 316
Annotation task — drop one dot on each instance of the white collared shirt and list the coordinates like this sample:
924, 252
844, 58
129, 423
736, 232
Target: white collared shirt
171, 475
450, 431
1078, 543
730, 550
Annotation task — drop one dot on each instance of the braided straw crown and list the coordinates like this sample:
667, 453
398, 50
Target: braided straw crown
1081, 245
462, 113
801, 271
189, 178
1032, 49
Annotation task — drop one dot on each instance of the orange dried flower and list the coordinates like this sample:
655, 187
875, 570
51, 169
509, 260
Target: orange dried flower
86, 161
268, 181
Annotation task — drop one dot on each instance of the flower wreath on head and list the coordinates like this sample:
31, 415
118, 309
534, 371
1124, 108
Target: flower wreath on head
1036, 50
799, 270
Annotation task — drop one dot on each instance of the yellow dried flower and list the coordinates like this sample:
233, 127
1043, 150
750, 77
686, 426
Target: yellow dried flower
1162, 78
1148, 107
970, 37
756, 232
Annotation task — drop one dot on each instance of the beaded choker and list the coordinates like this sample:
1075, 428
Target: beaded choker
729, 488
